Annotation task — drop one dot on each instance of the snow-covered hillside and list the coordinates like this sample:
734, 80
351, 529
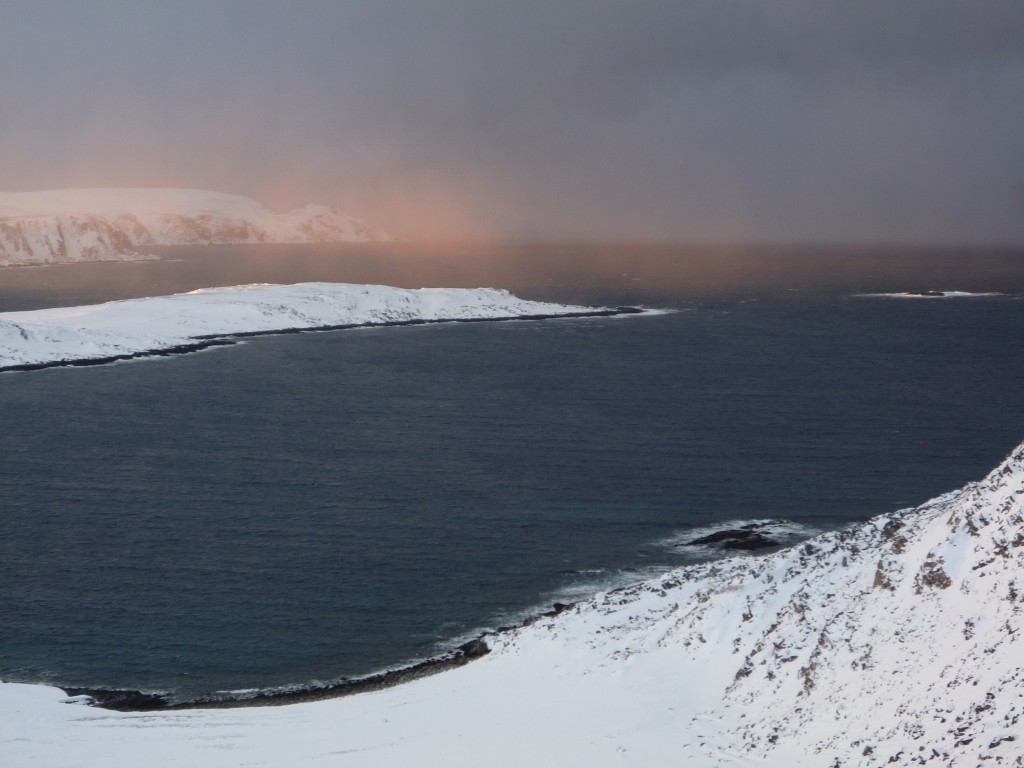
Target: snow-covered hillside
120, 329
65, 225
897, 642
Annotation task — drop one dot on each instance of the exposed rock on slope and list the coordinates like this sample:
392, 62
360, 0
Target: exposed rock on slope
114, 224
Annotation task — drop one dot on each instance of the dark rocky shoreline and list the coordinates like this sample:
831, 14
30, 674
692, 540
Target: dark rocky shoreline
228, 339
178, 349
122, 700
395, 323
137, 701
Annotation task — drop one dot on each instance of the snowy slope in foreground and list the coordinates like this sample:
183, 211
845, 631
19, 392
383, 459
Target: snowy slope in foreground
894, 643
66, 225
125, 328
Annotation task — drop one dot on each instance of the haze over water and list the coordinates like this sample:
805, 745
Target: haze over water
567, 272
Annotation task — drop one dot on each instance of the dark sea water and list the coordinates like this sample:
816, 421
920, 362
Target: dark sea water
309, 507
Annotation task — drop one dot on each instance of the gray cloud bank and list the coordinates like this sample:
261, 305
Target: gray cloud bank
627, 120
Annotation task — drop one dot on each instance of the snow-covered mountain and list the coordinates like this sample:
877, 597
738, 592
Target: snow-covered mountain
896, 642
121, 329
65, 225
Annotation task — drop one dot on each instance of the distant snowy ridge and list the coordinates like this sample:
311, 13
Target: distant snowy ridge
127, 328
897, 642
68, 225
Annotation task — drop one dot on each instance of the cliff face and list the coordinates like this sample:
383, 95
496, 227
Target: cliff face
894, 642
114, 224
63, 238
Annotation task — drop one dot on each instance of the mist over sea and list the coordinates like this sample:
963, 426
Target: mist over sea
309, 507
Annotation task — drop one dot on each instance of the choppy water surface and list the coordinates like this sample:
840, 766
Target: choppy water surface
308, 507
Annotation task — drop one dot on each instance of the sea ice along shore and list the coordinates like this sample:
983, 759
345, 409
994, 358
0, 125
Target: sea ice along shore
70, 225
894, 642
120, 330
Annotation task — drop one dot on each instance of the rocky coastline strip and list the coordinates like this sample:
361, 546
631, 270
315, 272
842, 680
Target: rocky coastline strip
228, 339
177, 349
122, 700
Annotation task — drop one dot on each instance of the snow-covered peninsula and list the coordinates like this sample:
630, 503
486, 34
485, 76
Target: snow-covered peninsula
894, 642
207, 317
69, 225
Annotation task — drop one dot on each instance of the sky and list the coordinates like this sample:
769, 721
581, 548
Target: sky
599, 120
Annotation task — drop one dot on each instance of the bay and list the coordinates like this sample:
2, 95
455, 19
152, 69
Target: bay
310, 507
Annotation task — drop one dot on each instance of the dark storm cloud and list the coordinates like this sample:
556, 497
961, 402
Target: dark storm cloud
630, 119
